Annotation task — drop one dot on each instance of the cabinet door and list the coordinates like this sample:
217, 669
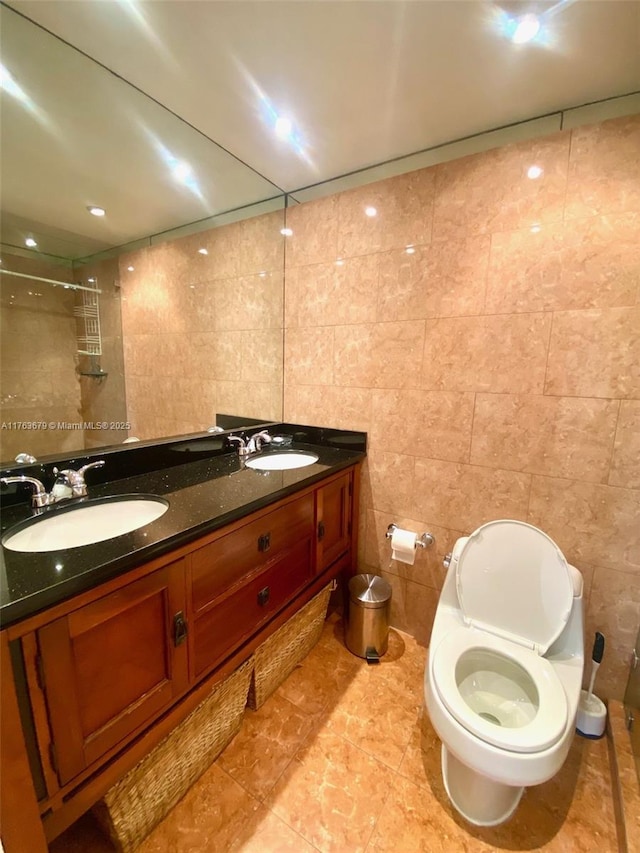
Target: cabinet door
334, 520
112, 665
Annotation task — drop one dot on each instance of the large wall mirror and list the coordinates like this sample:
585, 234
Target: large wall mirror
146, 321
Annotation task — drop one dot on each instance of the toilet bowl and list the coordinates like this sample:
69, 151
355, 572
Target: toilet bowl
504, 669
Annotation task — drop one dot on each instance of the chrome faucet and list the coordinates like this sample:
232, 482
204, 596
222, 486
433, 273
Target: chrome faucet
250, 445
256, 441
68, 484
40, 497
243, 450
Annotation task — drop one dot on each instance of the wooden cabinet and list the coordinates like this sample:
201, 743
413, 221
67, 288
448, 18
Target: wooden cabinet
111, 666
334, 511
101, 676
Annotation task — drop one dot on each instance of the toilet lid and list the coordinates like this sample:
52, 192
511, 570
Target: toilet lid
514, 581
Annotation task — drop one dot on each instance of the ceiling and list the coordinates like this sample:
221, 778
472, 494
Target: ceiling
364, 81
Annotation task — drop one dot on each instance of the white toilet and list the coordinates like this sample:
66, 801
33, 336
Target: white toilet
504, 669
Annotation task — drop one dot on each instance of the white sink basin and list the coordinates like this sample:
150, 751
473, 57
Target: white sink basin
83, 524
284, 461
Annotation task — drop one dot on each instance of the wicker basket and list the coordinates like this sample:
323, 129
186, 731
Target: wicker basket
141, 799
278, 656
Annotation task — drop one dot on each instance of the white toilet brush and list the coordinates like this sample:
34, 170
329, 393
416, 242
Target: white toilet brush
592, 713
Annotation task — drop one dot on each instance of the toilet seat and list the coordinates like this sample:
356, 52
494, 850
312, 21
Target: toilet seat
513, 581
549, 723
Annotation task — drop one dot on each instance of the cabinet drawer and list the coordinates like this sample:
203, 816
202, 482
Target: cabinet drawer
220, 564
224, 626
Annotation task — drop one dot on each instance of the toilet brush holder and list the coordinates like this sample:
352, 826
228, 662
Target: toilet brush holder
591, 719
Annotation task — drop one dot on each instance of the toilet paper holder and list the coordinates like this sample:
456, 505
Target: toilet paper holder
421, 542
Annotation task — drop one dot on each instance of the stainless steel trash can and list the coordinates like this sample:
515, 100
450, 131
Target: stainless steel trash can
368, 622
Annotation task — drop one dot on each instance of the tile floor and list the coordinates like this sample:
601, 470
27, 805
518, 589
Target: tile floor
342, 758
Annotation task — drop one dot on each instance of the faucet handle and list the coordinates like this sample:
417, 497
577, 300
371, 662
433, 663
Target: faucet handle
98, 464
70, 483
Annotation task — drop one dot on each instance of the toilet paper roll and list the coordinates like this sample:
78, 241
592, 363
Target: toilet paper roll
403, 545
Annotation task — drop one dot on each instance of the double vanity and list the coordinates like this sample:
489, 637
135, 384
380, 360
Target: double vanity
114, 642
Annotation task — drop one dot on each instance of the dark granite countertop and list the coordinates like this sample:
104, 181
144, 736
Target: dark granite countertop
203, 496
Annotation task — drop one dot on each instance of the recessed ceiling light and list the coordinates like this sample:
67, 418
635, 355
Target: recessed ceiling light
203, 252
30, 242
286, 232
91, 280
283, 127
339, 262
526, 28
371, 211
131, 269
262, 274
96, 211
410, 250
536, 228
534, 172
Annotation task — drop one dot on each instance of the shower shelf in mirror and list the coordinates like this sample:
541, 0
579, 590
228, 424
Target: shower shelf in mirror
88, 315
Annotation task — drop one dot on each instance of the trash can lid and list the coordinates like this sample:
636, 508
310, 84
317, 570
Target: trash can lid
369, 590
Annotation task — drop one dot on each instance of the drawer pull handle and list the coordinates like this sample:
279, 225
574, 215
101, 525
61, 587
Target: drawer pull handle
263, 596
264, 542
179, 628
320, 531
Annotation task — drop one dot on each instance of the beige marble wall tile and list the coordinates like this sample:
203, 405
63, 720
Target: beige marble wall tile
308, 356
443, 279
195, 306
462, 497
595, 353
625, 465
558, 436
341, 408
214, 355
413, 606
604, 168
490, 192
262, 354
614, 608
260, 245
590, 522
261, 400
334, 293
223, 258
404, 211
386, 482
581, 263
502, 353
249, 302
315, 232
436, 424
378, 355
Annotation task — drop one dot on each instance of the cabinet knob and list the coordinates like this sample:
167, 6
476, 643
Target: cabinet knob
264, 542
321, 531
263, 596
